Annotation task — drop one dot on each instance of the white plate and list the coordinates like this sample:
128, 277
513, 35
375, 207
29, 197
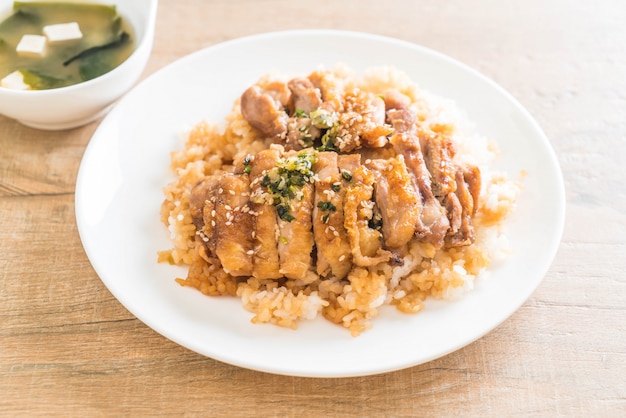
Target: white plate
125, 167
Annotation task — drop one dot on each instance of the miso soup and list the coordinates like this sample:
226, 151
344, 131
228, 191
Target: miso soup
106, 40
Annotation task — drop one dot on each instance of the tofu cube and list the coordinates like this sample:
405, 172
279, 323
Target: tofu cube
14, 81
62, 32
32, 46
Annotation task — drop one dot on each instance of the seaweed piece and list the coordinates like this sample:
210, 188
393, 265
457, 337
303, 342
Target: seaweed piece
19, 21
40, 81
123, 37
95, 65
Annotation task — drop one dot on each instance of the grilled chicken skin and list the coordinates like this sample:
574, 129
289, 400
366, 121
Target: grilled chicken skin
334, 254
396, 199
358, 208
265, 259
228, 224
432, 224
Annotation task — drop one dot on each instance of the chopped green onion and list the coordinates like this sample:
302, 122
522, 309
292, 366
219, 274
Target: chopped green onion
326, 206
323, 119
283, 213
286, 180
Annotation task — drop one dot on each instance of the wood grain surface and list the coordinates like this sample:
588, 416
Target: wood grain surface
69, 348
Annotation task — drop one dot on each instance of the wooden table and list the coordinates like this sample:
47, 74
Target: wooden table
69, 348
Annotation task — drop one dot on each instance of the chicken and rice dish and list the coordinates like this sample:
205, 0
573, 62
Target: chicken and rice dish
335, 193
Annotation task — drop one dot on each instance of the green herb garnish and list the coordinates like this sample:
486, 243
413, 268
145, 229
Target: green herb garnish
283, 213
323, 119
375, 223
327, 206
285, 181
40, 81
329, 138
247, 167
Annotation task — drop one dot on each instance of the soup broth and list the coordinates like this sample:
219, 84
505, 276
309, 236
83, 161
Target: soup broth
107, 41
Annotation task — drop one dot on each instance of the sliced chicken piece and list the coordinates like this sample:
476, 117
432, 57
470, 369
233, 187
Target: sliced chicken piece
334, 255
397, 200
362, 122
264, 108
450, 186
265, 227
331, 89
201, 207
462, 230
438, 150
232, 225
394, 100
432, 224
455, 212
295, 241
467, 194
402, 120
199, 196
289, 187
374, 131
472, 177
301, 133
305, 96
365, 242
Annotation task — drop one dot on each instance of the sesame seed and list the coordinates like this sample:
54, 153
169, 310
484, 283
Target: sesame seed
232, 192
250, 252
213, 213
227, 207
220, 190
212, 223
228, 223
343, 257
